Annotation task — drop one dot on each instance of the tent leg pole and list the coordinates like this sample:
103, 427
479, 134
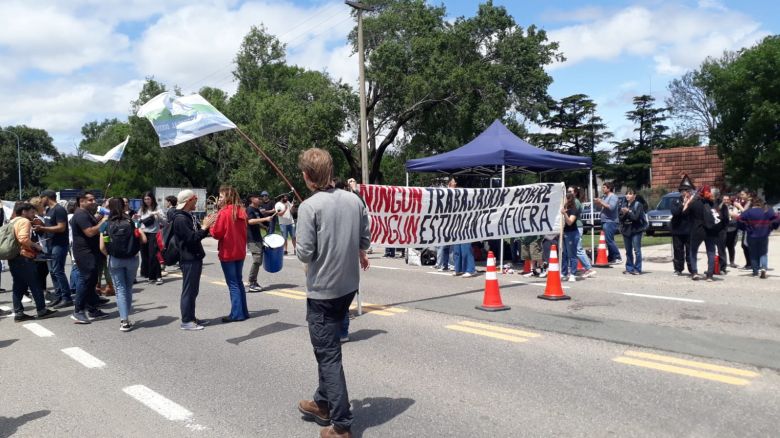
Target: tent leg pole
501, 251
592, 213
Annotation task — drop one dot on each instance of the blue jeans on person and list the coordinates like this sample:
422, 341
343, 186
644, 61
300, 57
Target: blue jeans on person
610, 228
463, 258
24, 274
444, 256
123, 273
288, 231
75, 277
633, 244
571, 240
581, 255
758, 253
232, 271
59, 254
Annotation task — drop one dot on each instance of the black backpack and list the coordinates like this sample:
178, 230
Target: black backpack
122, 244
170, 251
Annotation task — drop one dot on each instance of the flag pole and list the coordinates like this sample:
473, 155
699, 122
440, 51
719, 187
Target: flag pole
111, 179
267, 158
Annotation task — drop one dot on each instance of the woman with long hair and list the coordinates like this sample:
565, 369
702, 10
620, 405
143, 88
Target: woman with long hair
121, 242
150, 216
632, 227
571, 238
230, 230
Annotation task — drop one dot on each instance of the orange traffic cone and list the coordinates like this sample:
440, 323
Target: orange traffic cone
717, 265
492, 299
602, 261
527, 267
554, 291
579, 265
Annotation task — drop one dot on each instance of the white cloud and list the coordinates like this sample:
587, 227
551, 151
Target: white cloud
677, 37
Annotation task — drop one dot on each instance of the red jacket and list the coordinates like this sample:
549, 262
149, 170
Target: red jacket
230, 234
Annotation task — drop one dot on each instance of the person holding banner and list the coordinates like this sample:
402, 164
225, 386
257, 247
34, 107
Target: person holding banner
230, 230
571, 239
333, 231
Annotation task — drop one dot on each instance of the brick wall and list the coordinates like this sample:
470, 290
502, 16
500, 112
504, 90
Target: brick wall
700, 163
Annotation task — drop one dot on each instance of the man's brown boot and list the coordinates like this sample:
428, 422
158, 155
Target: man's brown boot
314, 412
334, 432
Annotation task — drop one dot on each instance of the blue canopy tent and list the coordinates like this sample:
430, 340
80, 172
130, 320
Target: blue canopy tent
496, 150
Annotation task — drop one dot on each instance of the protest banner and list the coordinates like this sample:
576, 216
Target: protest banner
422, 216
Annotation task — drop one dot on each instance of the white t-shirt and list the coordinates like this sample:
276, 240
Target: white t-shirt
287, 218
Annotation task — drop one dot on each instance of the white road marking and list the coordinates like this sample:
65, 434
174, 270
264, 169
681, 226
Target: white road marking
83, 357
387, 267
167, 408
660, 297
449, 274
535, 284
38, 330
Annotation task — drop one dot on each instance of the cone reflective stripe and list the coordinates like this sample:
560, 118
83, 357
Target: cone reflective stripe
492, 298
554, 291
602, 261
527, 267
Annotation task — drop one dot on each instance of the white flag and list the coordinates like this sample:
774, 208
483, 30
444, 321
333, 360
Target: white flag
179, 119
115, 153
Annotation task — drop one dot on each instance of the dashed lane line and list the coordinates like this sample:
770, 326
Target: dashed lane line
83, 357
491, 331
659, 297
688, 368
168, 409
38, 330
692, 364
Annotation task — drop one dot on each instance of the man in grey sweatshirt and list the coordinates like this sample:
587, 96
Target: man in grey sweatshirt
333, 235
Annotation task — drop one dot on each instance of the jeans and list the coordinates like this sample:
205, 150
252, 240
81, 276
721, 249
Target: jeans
681, 248
581, 255
610, 228
464, 258
150, 267
75, 277
190, 286
59, 254
24, 274
232, 271
633, 244
709, 244
256, 249
444, 257
90, 268
123, 274
325, 318
571, 240
758, 253
288, 231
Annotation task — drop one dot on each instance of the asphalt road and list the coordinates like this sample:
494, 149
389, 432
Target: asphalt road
422, 361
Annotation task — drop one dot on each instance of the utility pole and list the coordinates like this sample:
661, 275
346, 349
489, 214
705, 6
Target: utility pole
18, 159
360, 7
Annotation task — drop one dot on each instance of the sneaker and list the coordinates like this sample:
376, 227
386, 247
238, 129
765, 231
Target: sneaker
79, 318
191, 326
46, 314
469, 274
125, 325
26, 299
678, 273
572, 278
203, 322
54, 302
312, 411
543, 274
763, 273
22, 317
96, 315
529, 274
457, 274
696, 277
589, 273
746, 268
159, 282
254, 287
163, 273
441, 269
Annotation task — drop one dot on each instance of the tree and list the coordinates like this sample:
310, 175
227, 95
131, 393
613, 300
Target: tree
36, 150
433, 85
747, 103
691, 106
634, 156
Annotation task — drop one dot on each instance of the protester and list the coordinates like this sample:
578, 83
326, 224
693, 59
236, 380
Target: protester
150, 217
742, 204
74, 270
632, 227
230, 229
56, 229
333, 231
731, 231
445, 254
121, 243
571, 239
86, 251
40, 238
23, 270
256, 221
701, 207
129, 212
463, 259
187, 235
287, 223
531, 249
680, 228
548, 241
268, 209
758, 222
581, 255
720, 240
170, 207
609, 221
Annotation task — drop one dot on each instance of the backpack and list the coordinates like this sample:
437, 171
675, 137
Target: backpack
9, 245
122, 241
170, 248
712, 220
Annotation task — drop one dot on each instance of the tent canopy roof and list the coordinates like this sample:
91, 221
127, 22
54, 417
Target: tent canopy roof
495, 147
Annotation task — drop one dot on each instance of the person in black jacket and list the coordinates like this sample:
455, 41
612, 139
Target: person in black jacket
632, 226
720, 241
680, 227
187, 235
699, 206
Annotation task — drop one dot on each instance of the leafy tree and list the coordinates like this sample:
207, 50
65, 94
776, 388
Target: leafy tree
36, 150
691, 106
746, 92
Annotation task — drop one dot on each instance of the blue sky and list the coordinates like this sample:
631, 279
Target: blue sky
65, 63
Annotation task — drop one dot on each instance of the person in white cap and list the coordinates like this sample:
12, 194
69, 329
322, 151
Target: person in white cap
187, 236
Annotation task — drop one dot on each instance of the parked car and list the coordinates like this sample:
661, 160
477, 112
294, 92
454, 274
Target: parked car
659, 219
586, 212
